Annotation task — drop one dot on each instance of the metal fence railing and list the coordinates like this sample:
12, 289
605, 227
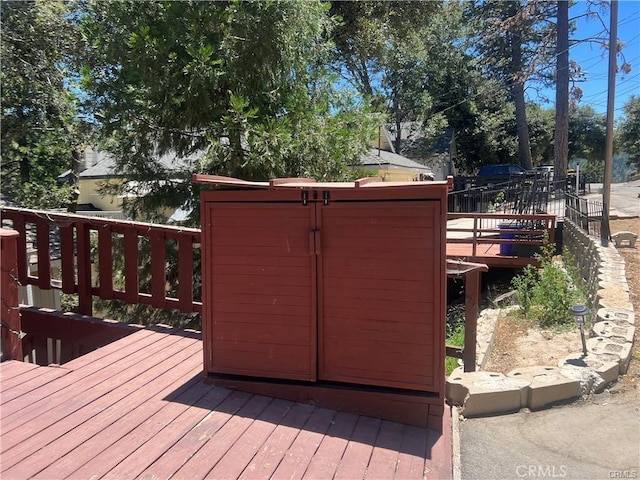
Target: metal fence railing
586, 214
523, 196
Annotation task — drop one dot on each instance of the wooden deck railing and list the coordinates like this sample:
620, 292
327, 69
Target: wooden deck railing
500, 228
84, 247
45, 237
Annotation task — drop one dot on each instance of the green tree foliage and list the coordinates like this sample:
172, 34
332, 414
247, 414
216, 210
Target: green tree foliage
234, 88
240, 86
587, 134
385, 50
40, 134
514, 41
541, 132
366, 35
629, 131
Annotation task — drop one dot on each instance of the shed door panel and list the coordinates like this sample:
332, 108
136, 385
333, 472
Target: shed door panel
379, 293
262, 319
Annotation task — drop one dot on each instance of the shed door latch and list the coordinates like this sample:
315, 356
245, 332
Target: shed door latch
305, 197
326, 196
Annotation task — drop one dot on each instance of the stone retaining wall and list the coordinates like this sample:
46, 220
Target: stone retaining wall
612, 331
602, 268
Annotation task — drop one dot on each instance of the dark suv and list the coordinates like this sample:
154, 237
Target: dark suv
492, 174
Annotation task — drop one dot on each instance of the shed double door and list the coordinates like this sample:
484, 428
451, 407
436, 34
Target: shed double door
341, 292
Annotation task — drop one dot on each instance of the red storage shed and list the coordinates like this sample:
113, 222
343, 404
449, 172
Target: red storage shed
327, 292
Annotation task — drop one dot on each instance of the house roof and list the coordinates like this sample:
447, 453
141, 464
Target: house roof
414, 144
106, 165
381, 158
102, 169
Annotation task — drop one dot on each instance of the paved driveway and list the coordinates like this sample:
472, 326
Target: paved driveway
598, 438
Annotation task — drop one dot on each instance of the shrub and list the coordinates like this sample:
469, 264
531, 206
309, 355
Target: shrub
546, 293
455, 337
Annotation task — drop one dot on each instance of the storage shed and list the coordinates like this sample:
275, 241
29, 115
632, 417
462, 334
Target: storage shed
327, 292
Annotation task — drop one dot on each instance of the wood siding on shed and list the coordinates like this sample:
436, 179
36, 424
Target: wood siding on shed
379, 308
262, 282
337, 286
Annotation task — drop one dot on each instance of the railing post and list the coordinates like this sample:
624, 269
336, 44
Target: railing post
471, 301
11, 331
85, 295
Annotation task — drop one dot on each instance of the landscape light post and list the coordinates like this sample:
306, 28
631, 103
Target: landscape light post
579, 312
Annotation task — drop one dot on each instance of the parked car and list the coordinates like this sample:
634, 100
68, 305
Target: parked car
500, 170
490, 175
544, 171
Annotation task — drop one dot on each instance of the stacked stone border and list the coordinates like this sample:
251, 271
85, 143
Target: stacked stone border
609, 348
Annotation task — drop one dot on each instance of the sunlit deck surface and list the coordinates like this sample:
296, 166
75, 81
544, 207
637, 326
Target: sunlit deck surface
489, 254
138, 408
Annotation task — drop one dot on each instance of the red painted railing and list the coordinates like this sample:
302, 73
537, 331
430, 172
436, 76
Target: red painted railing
11, 332
45, 237
501, 228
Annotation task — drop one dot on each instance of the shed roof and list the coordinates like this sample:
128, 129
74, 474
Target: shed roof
311, 184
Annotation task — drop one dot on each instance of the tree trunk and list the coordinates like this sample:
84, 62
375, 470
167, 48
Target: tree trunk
517, 93
524, 146
76, 158
561, 140
397, 143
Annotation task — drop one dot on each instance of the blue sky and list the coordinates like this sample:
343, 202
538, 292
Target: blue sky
594, 60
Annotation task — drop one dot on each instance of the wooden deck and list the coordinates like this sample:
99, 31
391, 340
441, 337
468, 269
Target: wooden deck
489, 254
138, 408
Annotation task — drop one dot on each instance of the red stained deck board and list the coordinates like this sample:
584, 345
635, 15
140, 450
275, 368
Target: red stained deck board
34, 404
439, 451
184, 421
270, 454
155, 444
384, 457
97, 412
327, 458
488, 254
14, 368
191, 443
23, 384
134, 411
358, 452
67, 407
246, 447
219, 444
297, 458
105, 355
411, 455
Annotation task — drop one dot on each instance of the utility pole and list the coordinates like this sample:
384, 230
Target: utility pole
561, 133
605, 231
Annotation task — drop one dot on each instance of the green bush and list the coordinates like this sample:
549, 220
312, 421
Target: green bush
546, 293
455, 337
